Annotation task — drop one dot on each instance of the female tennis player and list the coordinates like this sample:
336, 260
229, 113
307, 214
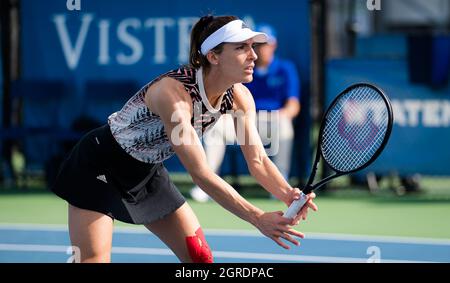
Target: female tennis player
116, 171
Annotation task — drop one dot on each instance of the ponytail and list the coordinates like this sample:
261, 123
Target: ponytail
201, 30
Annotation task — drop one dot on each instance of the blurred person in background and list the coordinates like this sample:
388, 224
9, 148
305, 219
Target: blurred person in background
276, 91
116, 171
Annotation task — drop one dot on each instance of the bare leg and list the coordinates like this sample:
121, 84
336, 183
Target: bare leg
174, 228
91, 232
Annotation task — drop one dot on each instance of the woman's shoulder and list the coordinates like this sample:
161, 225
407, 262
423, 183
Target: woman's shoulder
167, 88
242, 96
241, 90
177, 78
183, 74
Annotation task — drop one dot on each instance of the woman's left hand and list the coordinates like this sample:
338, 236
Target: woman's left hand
302, 215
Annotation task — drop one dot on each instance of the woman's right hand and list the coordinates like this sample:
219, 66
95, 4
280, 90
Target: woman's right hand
277, 227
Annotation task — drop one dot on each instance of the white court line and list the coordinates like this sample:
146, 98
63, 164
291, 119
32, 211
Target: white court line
246, 233
216, 254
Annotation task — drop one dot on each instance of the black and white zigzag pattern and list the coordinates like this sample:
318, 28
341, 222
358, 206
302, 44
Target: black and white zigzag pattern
141, 132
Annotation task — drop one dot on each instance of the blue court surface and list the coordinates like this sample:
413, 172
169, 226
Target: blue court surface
20, 243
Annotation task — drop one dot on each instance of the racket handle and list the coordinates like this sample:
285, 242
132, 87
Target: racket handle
295, 206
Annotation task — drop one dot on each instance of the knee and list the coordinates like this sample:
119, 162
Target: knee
198, 248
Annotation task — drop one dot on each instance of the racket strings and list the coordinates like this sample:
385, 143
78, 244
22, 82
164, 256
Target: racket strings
361, 132
364, 132
354, 136
355, 128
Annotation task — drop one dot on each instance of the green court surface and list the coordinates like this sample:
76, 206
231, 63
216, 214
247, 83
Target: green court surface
340, 211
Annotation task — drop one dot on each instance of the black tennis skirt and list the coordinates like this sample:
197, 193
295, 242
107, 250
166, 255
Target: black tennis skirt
99, 175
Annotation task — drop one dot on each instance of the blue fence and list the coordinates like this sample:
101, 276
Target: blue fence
421, 134
131, 42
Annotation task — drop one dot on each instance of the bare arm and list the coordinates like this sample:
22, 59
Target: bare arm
259, 164
291, 108
169, 100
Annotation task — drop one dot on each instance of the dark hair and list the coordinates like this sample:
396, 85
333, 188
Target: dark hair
206, 26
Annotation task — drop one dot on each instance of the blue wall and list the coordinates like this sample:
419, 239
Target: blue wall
421, 135
130, 46
137, 40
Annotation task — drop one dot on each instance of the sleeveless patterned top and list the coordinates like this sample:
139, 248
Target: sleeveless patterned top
141, 133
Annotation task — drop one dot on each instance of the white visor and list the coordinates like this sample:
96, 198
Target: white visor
234, 31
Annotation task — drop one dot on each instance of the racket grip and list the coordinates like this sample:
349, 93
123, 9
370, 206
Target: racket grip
295, 206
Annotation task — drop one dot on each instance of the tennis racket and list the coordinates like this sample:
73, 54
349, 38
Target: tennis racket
353, 133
